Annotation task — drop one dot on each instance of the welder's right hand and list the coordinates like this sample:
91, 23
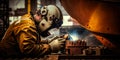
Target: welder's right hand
57, 44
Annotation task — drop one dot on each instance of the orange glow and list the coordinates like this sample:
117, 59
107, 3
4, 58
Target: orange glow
105, 42
94, 22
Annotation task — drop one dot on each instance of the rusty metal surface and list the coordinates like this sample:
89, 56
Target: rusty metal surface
97, 16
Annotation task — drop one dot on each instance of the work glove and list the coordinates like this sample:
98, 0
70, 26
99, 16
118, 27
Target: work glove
52, 37
46, 40
57, 44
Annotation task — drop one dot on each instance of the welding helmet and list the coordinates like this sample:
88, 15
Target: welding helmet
51, 18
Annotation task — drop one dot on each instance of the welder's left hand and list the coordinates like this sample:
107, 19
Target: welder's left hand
55, 37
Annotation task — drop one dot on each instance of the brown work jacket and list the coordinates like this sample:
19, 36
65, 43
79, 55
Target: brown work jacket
21, 39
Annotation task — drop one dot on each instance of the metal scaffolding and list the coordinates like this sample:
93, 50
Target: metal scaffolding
4, 16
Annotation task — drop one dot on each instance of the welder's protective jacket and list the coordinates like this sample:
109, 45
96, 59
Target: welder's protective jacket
21, 38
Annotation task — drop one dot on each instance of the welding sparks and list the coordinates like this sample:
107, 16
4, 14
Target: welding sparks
74, 37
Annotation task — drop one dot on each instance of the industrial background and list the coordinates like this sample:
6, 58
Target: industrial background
96, 23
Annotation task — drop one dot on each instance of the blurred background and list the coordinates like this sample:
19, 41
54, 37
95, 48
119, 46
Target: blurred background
12, 10
94, 22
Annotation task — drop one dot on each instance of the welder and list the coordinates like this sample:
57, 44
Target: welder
22, 38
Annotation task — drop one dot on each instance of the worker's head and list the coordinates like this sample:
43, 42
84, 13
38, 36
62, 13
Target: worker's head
51, 17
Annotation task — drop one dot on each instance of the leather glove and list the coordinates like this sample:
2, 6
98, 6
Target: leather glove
57, 43
52, 37
48, 39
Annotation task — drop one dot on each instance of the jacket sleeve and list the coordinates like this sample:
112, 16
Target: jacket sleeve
28, 44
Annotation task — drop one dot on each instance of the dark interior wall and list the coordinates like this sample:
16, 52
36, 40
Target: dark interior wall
47, 2
33, 5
